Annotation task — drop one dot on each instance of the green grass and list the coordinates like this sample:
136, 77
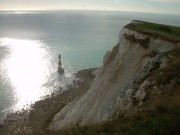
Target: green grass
167, 32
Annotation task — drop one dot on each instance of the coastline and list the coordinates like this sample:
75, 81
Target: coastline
132, 92
36, 119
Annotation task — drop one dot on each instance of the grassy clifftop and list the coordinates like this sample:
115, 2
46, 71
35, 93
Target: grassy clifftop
167, 32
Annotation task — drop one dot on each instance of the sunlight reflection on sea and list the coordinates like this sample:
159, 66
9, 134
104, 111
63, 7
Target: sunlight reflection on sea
28, 67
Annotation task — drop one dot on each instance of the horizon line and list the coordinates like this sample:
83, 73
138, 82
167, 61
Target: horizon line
21, 10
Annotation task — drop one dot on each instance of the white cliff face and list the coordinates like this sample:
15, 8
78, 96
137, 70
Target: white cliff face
157, 44
117, 83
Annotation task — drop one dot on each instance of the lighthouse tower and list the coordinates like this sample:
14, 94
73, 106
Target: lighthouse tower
60, 69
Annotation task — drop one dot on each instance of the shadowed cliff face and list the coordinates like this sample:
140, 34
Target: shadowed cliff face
121, 82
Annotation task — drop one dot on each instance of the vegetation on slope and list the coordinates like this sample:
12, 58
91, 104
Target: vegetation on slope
166, 32
161, 117
143, 42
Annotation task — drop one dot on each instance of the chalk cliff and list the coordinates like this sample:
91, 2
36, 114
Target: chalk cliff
122, 80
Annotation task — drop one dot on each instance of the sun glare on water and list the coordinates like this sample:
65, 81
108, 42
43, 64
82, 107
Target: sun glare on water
27, 68
23, 12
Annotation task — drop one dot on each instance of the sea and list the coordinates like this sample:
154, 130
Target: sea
30, 42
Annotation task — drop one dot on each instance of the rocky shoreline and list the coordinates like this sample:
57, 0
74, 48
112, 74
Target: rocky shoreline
35, 120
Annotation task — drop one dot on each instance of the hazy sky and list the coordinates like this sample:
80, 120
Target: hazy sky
157, 6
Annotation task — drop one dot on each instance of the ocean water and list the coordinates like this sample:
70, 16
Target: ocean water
31, 41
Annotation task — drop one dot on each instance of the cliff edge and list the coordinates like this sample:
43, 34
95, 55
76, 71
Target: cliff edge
126, 78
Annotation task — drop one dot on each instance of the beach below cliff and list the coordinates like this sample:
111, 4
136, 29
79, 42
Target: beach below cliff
36, 119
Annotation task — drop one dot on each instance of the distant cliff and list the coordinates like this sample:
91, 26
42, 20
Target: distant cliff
127, 78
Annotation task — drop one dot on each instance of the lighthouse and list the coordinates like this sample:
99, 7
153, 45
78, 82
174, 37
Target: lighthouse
60, 69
